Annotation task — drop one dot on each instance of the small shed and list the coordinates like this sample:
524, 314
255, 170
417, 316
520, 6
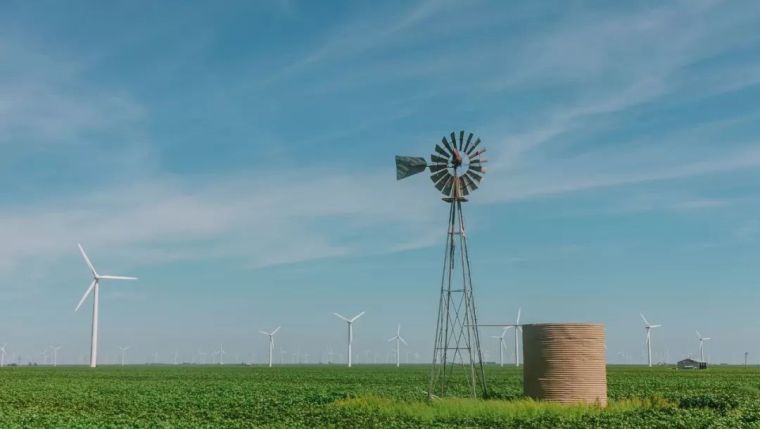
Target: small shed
689, 363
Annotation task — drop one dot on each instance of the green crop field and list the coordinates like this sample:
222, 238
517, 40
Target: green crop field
363, 396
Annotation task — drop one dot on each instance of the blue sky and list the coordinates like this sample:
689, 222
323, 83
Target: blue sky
238, 158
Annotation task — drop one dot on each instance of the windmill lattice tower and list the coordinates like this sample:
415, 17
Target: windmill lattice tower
456, 169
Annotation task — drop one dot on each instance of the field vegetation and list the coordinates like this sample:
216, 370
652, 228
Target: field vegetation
363, 396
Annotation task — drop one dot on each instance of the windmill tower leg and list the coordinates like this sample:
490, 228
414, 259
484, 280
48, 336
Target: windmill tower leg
457, 357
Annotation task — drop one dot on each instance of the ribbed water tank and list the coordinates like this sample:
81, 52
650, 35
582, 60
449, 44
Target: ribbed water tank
565, 363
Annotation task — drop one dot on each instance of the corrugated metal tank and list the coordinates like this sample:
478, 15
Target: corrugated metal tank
565, 362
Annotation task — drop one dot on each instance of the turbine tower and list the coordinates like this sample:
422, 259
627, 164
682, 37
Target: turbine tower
95, 285
350, 323
648, 327
271, 343
702, 345
398, 340
2, 355
456, 169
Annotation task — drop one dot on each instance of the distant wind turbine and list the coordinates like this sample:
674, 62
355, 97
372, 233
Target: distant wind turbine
350, 323
501, 345
518, 329
271, 343
398, 340
221, 354
55, 354
648, 327
2, 355
702, 345
123, 350
95, 285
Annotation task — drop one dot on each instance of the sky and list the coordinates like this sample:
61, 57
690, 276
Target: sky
238, 158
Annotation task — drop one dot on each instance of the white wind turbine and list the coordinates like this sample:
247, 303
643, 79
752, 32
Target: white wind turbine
2, 355
648, 326
271, 343
702, 346
55, 354
123, 350
221, 354
350, 323
398, 340
502, 346
96, 286
518, 329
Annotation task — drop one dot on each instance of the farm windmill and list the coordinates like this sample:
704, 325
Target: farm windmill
456, 169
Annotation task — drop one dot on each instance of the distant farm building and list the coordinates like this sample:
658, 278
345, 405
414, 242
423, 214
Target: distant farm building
691, 364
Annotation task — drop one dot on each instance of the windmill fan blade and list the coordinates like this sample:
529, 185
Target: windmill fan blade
477, 167
461, 139
437, 176
463, 187
467, 145
440, 150
472, 149
439, 159
448, 186
453, 140
474, 176
447, 145
471, 186
409, 165
437, 167
443, 182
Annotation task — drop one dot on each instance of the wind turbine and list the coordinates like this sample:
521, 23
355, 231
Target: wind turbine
271, 343
2, 355
55, 354
123, 350
350, 323
96, 286
702, 345
221, 354
398, 345
501, 345
648, 326
518, 329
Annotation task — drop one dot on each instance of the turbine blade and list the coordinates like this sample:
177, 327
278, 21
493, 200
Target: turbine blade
519, 312
439, 159
403, 341
86, 259
341, 317
699, 335
263, 332
646, 322
391, 339
461, 139
87, 292
275, 331
454, 140
118, 278
357, 316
